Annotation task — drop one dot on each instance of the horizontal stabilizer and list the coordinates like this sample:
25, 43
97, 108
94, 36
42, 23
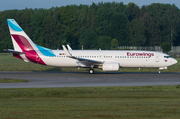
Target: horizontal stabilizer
13, 51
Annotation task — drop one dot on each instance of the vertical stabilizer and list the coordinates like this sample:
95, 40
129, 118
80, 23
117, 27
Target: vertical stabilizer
21, 41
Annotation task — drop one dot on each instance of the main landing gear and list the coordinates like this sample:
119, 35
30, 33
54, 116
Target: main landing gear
91, 71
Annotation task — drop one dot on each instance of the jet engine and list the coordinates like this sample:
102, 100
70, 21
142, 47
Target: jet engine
110, 67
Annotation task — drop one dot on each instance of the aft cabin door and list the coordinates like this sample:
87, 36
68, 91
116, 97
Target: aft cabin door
157, 58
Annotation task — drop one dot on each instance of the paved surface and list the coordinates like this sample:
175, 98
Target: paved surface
81, 79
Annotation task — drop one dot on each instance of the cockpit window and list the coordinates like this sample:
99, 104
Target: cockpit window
167, 57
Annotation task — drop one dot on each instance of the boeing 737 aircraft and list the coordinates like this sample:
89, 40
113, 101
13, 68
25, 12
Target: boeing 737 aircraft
107, 60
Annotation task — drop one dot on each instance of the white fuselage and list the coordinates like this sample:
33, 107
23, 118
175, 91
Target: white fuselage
130, 58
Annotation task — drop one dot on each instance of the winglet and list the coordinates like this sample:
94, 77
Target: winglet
68, 54
69, 48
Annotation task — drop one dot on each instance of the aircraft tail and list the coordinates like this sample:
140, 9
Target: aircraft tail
21, 41
23, 44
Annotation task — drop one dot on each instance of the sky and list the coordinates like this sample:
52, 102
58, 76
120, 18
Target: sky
22, 4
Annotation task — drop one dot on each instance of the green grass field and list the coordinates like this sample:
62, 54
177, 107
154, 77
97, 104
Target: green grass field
10, 63
145, 102
12, 80
162, 102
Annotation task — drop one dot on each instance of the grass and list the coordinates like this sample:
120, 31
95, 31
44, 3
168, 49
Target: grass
11, 80
160, 102
10, 63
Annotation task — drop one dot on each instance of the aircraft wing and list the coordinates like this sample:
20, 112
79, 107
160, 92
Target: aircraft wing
13, 51
88, 60
83, 60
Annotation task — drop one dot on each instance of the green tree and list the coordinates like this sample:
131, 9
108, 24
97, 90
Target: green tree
69, 17
134, 11
151, 32
166, 19
38, 28
171, 22
95, 26
136, 33
88, 39
5, 39
104, 42
117, 28
114, 43
166, 47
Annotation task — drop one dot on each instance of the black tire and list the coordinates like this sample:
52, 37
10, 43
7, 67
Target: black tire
91, 71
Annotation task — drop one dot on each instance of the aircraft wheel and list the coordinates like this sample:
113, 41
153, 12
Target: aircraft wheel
91, 71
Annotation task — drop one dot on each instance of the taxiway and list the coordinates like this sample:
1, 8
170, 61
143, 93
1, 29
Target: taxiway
82, 79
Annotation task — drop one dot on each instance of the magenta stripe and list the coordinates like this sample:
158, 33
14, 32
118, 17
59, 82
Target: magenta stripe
17, 56
28, 49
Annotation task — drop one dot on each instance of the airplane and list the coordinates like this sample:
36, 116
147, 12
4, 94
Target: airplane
107, 60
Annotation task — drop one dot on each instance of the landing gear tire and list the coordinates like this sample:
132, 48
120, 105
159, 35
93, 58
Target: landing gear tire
91, 71
159, 71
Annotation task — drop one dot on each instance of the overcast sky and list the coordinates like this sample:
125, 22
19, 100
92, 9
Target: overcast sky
22, 4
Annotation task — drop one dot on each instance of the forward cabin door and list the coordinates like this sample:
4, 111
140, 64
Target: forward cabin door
157, 58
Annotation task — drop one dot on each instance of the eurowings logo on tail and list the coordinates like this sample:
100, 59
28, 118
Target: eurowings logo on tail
22, 43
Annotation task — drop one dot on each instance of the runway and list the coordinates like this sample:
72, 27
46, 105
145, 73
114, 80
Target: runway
84, 79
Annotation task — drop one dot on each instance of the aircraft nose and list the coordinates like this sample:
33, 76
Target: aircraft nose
174, 61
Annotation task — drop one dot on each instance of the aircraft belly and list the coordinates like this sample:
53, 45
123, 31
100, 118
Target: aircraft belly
60, 62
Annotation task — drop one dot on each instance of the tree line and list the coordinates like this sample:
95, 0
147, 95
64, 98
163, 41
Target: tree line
103, 25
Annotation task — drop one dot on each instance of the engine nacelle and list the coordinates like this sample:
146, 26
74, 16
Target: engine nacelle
110, 67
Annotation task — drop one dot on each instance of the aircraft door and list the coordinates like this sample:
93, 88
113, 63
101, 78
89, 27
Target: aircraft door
157, 58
